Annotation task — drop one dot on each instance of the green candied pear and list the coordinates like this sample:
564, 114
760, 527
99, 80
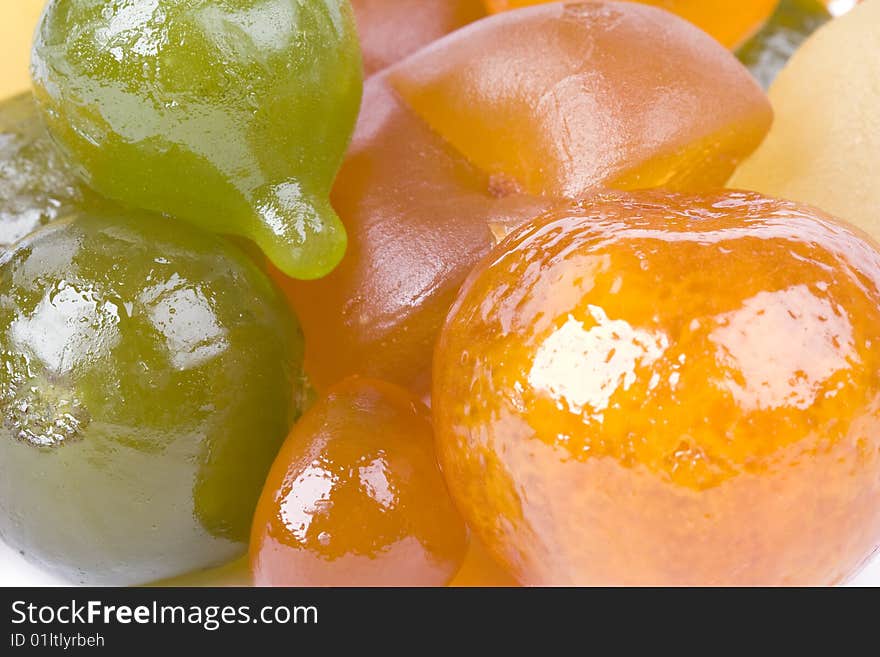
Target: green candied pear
231, 114
149, 372
36, 184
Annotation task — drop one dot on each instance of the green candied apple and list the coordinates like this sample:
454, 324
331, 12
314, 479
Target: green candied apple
149, 372
36, 185
232, 114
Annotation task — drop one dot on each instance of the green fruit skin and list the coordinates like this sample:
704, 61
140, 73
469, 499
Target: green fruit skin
232, 114
149, 373
36, 184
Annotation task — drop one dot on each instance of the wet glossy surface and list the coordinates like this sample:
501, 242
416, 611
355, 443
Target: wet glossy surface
667, 390
232, 115
450, 140
824, 145
355, 497
418, 217
729, 21
652, 105
36, 184
390, 30
146, 383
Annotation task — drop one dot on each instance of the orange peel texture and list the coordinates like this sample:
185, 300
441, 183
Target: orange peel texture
664, 389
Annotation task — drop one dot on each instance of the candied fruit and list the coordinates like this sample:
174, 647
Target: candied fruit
148, 372
487, 128
666, 389
232, 115
355, 497
653, 106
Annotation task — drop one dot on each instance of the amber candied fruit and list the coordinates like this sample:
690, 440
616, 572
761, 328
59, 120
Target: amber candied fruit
668, 389
492, 125
355, 497
654, 105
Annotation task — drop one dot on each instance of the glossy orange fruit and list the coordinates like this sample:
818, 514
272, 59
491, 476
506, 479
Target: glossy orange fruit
489, 127
355, 497
668, 389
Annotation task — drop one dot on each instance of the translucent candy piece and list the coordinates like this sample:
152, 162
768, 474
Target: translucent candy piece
421, 206
418, 218
824, 147
392, 29
355, 497
729, 22
597, 93
627, 388
233, 115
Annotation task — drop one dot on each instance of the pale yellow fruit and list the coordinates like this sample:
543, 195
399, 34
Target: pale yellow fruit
824, 147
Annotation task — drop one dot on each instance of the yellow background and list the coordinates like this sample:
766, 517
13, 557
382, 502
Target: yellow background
16, 31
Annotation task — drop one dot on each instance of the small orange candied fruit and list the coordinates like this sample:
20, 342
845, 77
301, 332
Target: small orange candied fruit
356, 498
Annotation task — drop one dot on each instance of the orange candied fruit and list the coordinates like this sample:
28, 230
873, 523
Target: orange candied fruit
732, 23
356, 498
664, 389
652, 106
491, 126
